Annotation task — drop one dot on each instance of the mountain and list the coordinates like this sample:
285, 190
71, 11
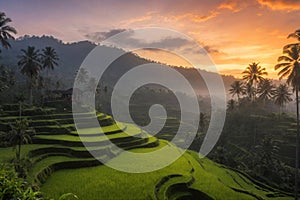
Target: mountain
72, 55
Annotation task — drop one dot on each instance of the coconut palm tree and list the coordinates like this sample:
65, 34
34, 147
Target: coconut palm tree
289, 67
30, 66
6, 31
254, 74
265, 90
20, 98
20, 134
231, 104
296, 35
249, 91
49, 61
236, 89
282, 96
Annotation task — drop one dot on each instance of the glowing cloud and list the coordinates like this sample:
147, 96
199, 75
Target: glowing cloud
281, 4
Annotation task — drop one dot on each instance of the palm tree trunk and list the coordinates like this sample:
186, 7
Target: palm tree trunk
19, 151
297, 147
20, 110
255, 91
30, 96
47, 80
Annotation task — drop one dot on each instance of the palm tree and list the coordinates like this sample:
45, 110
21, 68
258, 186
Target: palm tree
296, 35
231, 104
265, 90
19, 134
20, 98
49, 60
236, 89
282, 96
268, 149
249, 91
203, 122
30, 66
289, 66
254, 74
6, 30
82, 76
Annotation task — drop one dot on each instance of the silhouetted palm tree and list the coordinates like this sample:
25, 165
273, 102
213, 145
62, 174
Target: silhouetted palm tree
249, 91
236, 89
282, 96
6, 30
30, 66
289, 66
296, 35
265, 90
231, 104
49, 61
254, 74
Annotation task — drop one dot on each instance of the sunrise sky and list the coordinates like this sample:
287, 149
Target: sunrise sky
234, 32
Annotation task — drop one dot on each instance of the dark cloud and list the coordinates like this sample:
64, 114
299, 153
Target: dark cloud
100, 36
172, 43
129, 40
210, 49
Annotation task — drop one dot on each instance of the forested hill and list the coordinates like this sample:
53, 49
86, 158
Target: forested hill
72, 54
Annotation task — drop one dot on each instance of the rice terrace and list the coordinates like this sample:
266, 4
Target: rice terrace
158, 100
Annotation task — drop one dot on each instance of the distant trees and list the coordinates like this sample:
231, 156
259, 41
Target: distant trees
231, 104
249, 91
32, 63
30, 66
49, 59
265, 90
289, 67
6, 31
253, 75
282, 96
82, 76
237, 88
7, 78
255, 87
203, 122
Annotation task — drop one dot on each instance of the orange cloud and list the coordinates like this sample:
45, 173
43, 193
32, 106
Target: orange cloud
281, 4
230, 5
195, 17
146, 17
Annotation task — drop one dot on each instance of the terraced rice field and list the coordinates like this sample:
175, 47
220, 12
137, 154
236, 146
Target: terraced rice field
62, 164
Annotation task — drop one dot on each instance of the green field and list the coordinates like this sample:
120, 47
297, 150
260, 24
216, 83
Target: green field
62, 164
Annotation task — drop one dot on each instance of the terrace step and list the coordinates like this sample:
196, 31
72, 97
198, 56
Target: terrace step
107, 130
75, 153
43, 169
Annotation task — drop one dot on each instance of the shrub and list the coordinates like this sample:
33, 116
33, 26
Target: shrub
12, 187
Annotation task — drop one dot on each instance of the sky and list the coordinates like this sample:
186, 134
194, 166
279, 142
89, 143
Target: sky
235, 33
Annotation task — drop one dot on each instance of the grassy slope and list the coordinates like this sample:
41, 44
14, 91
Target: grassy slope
105, 183
102, 182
